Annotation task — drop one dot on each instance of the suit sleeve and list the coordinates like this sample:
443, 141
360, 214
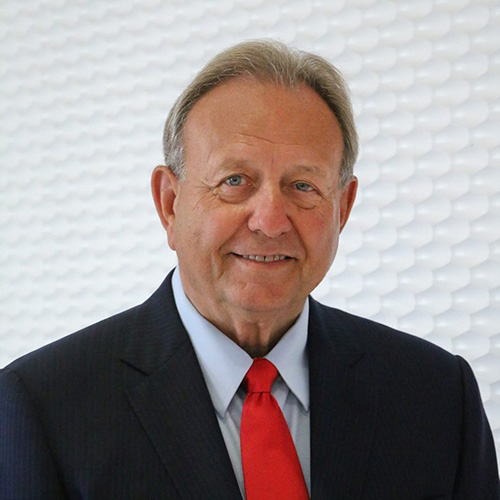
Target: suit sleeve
477, 475
27, 467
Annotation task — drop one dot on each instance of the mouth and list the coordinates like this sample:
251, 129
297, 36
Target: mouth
264, 258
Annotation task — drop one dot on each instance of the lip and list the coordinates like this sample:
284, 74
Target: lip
264, 258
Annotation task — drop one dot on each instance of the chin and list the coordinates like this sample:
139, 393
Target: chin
264, 301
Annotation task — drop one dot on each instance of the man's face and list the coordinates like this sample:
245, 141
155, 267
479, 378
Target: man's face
256, 221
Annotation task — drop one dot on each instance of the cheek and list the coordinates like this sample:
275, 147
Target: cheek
224, 219
320, 233
205, 231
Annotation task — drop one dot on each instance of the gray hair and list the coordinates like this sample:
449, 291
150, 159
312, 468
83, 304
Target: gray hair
266, 61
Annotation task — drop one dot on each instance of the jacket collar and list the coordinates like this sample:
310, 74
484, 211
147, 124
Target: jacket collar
167, 392
344, 398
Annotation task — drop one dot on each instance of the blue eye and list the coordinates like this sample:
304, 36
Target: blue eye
234, 180
303, 186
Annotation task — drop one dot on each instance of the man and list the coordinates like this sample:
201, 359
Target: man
257, 187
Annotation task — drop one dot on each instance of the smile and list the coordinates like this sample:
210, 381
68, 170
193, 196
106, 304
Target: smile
264, 258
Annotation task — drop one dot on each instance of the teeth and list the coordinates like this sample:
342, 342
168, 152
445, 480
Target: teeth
264, 258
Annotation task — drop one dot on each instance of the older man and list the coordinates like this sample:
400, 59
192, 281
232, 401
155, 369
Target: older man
230, 381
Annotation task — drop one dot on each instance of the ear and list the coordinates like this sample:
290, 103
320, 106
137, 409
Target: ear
165, 186
347, 197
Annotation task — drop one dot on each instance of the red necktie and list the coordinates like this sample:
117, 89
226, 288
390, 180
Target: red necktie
271, 468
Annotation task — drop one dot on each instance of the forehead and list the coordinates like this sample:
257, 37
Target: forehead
250, 112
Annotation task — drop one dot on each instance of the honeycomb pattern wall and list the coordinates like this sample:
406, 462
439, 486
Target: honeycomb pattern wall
85, 86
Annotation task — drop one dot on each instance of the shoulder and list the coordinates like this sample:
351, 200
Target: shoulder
101, 343
385, 346
412, 376
85, 350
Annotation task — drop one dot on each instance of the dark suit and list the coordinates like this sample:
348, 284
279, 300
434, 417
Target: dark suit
120, 410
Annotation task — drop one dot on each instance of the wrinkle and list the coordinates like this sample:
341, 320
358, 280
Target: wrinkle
243, 139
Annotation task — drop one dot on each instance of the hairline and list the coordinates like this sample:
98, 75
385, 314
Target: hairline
325, 80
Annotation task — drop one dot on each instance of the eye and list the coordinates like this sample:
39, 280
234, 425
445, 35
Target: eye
305, 195
303, 186
235, 188
234, 180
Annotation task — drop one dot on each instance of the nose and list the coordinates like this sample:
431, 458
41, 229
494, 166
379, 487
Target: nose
269, 213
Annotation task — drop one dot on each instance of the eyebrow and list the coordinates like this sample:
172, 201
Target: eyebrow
310, 168
230, 164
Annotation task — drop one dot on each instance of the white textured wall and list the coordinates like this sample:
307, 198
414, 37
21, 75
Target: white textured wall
86, 86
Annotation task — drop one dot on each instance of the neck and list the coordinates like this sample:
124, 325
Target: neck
256, 332
257, 337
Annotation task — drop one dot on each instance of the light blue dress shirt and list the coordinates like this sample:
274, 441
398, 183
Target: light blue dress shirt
224, 364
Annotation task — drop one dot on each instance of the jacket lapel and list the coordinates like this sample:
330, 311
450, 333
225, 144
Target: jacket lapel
343, 394
169, 395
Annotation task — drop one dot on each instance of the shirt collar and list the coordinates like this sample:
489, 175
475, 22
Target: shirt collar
224, 363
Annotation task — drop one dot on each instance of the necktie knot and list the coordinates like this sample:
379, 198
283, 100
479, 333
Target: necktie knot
260, 376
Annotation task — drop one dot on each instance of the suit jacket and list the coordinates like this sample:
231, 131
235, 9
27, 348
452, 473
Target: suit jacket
120, 410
